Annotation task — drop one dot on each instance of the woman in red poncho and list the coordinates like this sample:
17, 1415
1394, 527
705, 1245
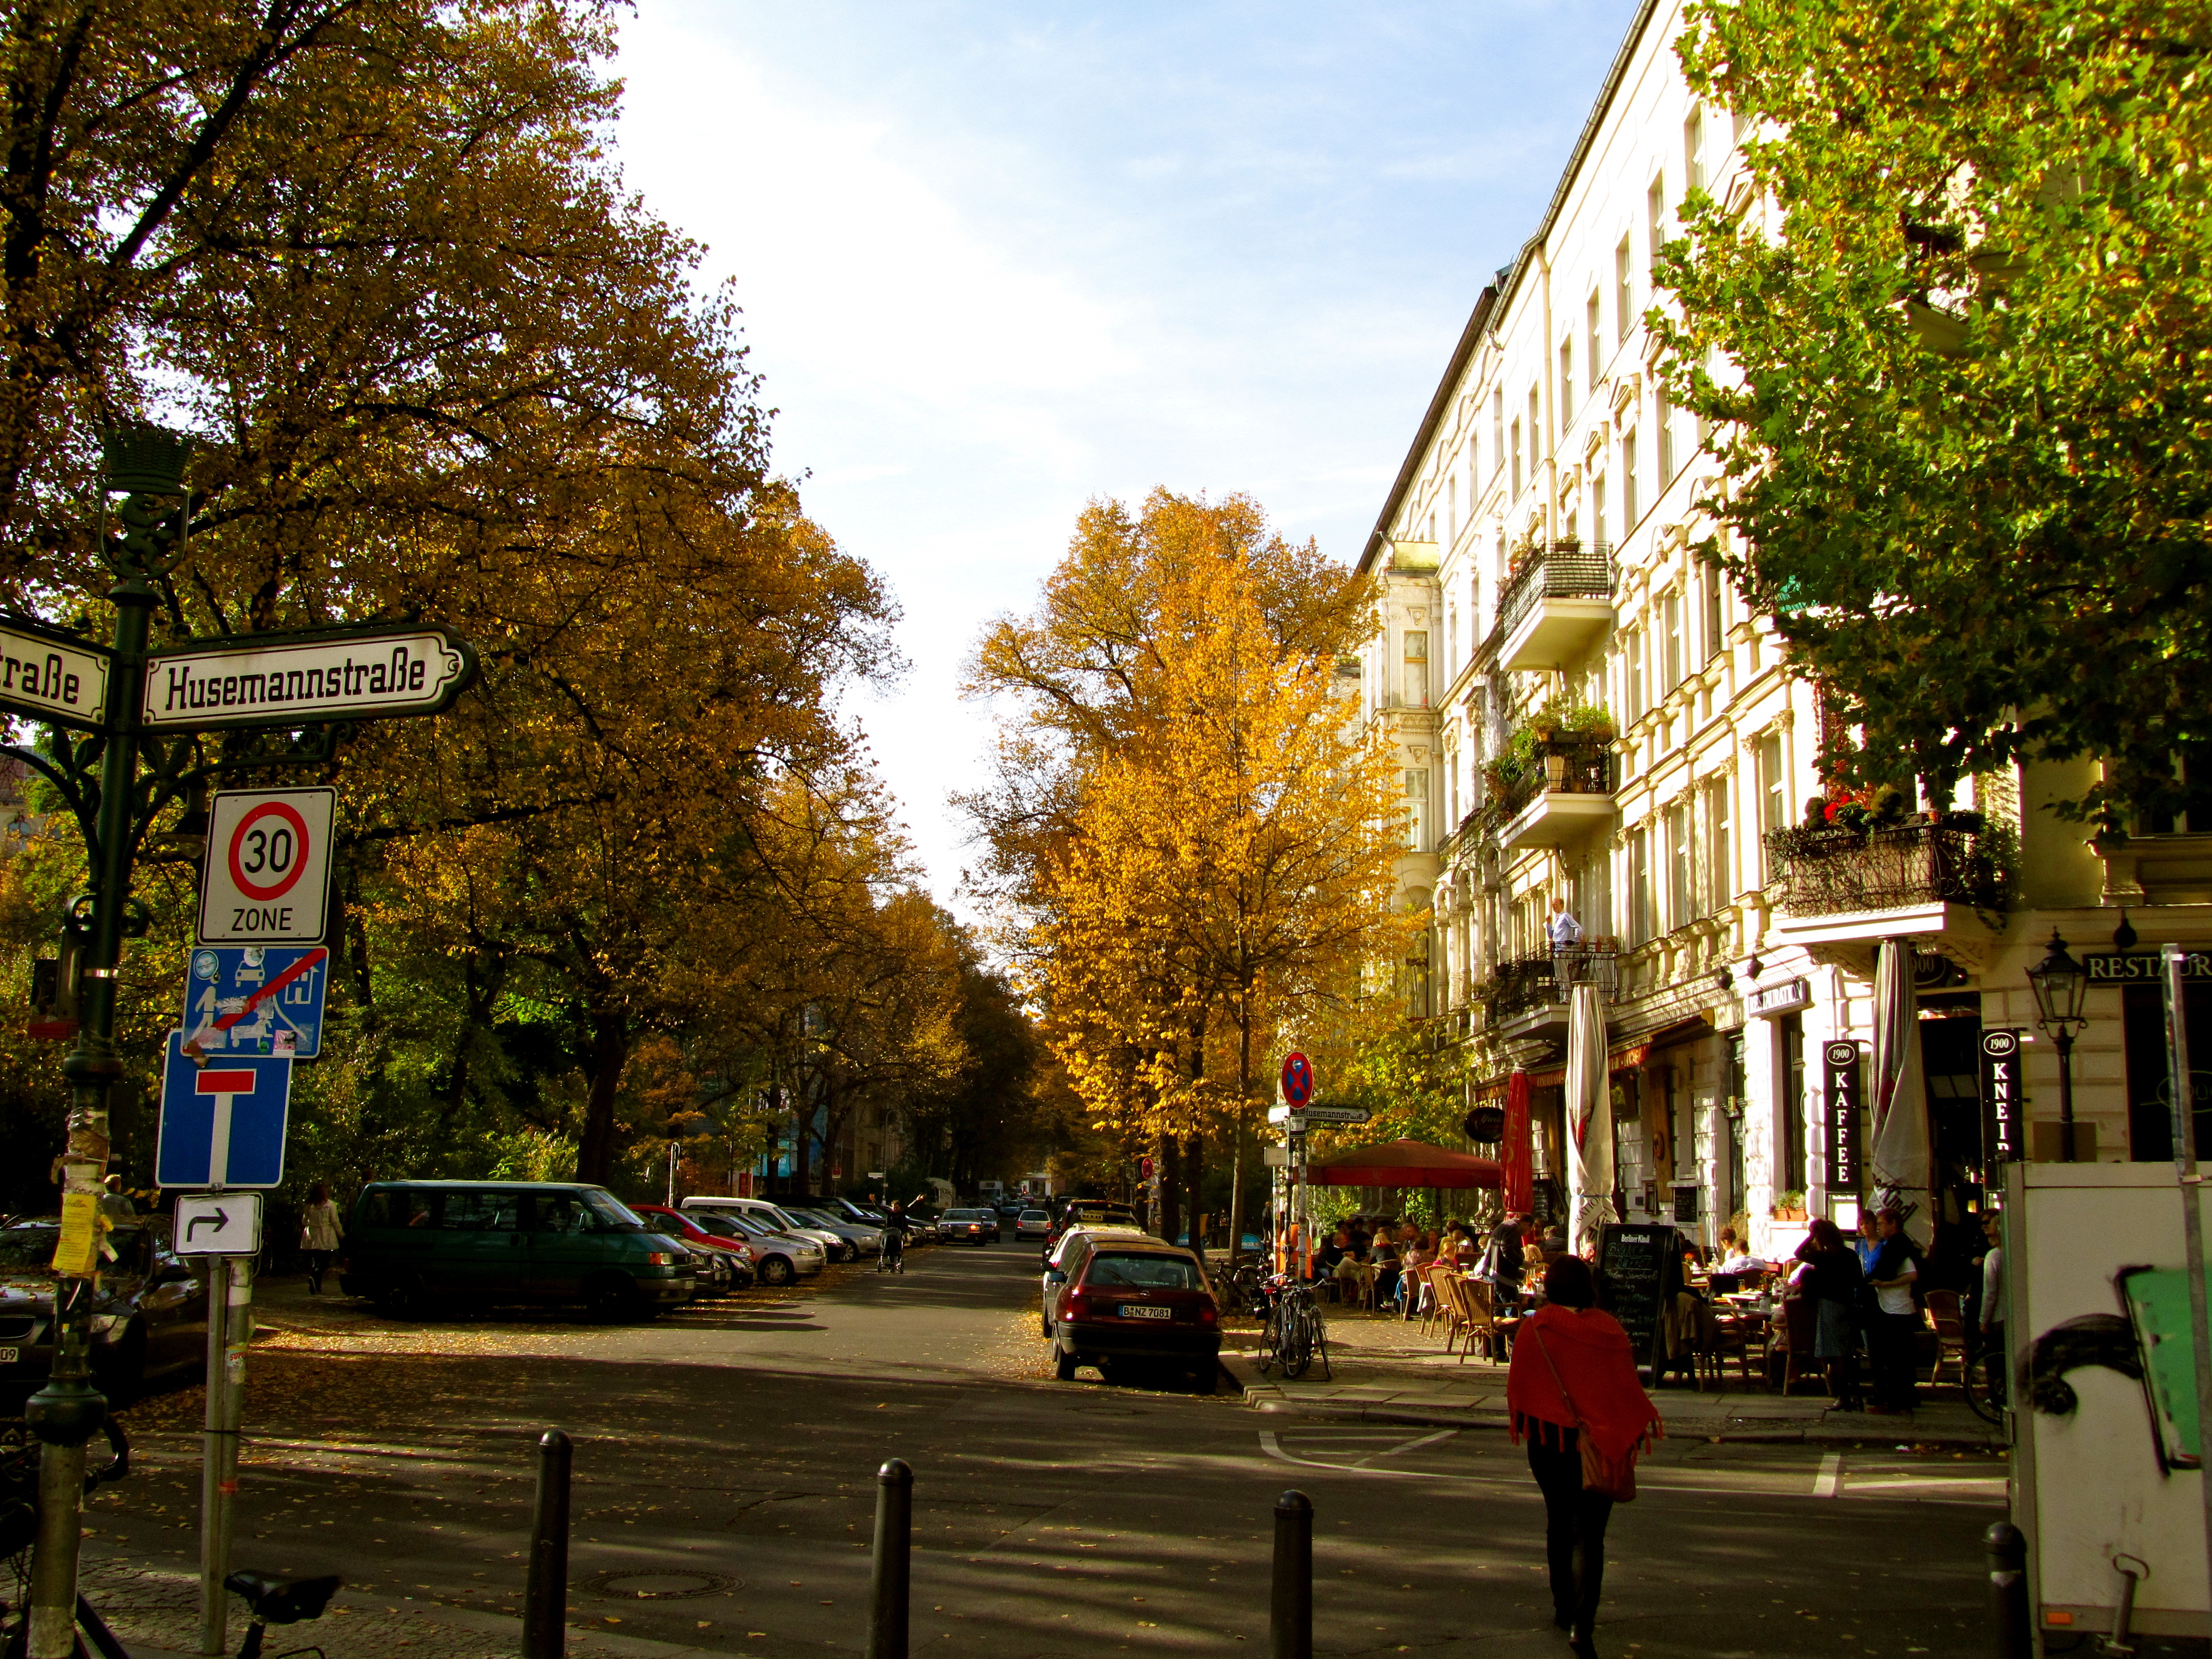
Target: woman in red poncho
1574, 1374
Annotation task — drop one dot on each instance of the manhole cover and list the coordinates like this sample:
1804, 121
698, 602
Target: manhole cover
659, 1586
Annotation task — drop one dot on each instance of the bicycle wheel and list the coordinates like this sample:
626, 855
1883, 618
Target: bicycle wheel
1297, 1342
1985, 1386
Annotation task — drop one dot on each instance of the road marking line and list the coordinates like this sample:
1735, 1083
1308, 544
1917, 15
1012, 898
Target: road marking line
1829, 1482
1410, 1445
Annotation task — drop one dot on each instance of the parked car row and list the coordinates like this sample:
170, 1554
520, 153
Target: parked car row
147, 1314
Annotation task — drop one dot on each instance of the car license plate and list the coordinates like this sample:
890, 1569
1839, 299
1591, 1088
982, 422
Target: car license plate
10, 1356
1138, 1310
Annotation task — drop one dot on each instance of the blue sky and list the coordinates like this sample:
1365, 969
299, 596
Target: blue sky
999, 259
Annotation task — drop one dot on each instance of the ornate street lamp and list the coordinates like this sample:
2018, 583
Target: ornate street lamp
2061, 984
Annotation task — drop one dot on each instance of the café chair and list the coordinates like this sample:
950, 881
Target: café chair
1797, 1331
1946, 1313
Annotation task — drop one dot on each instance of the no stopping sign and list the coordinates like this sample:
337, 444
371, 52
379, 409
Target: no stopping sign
266, 877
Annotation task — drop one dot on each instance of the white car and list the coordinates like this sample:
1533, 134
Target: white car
834, 1248
1032, 1224
1056, 1274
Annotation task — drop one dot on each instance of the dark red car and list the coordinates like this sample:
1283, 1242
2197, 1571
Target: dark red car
703, 1230
1136, 1301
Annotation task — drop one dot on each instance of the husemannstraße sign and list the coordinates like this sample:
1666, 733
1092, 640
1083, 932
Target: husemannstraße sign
283, 679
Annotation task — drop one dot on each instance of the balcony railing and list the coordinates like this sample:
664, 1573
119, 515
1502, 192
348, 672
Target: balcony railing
1839, 871
1564, 766
1561, 570
1531, 983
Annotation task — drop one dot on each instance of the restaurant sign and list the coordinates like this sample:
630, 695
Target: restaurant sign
1842, 1058
2000, 1114
2141, 967
1786, 998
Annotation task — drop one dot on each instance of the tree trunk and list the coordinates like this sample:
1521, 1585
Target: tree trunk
611, 1045
1166, 1168
1194, 1168
1237, 1136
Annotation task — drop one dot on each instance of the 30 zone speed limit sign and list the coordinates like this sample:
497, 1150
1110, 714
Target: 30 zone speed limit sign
266, 877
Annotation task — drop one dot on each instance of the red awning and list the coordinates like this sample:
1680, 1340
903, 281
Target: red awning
1405, 1163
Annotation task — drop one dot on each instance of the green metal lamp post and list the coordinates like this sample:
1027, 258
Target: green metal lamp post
147, 469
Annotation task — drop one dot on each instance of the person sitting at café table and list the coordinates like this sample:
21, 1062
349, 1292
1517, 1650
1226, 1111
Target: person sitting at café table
1735, 1258
1414, 1253
1383, 1256
1333, 1249
1460, 1247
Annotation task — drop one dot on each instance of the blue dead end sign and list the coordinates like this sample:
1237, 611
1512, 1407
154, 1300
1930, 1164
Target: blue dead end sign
222, 1123
1298, 1080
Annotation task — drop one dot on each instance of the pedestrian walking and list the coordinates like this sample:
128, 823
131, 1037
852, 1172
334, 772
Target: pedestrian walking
1829, 1279
319, 1233
1576, 1401
1893, 1326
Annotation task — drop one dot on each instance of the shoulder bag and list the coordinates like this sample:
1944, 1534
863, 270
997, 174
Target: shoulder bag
1616, 1481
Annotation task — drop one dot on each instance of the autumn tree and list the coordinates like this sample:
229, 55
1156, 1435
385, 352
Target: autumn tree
1954, 343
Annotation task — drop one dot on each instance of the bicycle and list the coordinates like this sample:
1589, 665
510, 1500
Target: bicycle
1293, 1336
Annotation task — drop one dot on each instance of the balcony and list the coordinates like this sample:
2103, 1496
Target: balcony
1853, 885
1528, 998
1556, 604
1570, 797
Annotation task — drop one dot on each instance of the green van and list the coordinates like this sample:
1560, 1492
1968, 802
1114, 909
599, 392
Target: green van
479, 1243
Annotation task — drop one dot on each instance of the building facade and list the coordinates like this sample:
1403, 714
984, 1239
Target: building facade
1589, 717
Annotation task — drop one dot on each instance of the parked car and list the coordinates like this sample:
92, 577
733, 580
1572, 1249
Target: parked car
1091, 1212
148, 1313
1032, 1224
778, 1258
775, 1217
708, 1234
970, 1227
483, 1242
864, 1238
1056, 1258
1136, 1301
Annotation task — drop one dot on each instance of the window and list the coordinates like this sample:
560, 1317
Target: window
1535, 432
1597, 510
1596, 345
1497, 434
1417, 808
1693, 150
1663, 414
1451, 509
1670, 640
1451, 641
1789, 1038
1774, 790
1654, 210
1642, 925
1716, 621
1417, 670
1632, 671
1628, 513
1143, 1273
1718, 881
1517, 458
1681, 865
1624, 299
1566, 382
482, 1213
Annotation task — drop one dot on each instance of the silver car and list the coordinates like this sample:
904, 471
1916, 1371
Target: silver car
864, 1240
779, 1258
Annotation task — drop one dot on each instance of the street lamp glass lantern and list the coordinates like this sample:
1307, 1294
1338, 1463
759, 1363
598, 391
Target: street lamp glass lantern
2060, 984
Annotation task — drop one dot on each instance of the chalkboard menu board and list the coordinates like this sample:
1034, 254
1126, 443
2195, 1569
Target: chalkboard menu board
1642, 1266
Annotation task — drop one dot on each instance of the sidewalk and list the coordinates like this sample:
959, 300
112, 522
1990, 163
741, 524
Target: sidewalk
1385, 1370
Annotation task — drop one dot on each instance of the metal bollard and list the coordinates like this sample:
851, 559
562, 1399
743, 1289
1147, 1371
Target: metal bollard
1290, 1605
545, 1601
887, 1609
2012, 1632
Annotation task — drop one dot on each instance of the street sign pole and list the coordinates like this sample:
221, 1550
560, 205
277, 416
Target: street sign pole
230, 1332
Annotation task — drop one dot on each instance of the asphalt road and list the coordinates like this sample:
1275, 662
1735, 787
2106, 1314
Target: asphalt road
729, 1456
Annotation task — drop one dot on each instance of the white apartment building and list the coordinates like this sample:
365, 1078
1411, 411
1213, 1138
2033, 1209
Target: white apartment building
1587, 714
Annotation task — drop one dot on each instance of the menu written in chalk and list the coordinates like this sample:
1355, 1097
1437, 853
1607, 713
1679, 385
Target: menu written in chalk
1640, 1265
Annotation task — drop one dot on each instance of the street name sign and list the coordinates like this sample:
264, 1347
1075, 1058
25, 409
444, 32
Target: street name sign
222, 1223
222, 1124
1318, 1113
306, 679
266, 877
256, 1000
53, 676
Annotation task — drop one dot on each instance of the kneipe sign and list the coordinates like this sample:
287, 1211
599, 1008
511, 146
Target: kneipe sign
266, 877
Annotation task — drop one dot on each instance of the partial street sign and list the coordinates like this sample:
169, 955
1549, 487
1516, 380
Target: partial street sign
222, 1124
224, 1223
266, 877
1298, 1080
1320, 1114
53, 676
304, 679
256, 1000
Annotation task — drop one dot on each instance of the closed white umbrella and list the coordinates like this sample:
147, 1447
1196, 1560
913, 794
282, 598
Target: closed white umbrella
1903, 1160
1590, 1115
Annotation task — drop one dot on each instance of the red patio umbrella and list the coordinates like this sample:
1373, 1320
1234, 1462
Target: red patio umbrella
1404, 1164
1520, 1154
